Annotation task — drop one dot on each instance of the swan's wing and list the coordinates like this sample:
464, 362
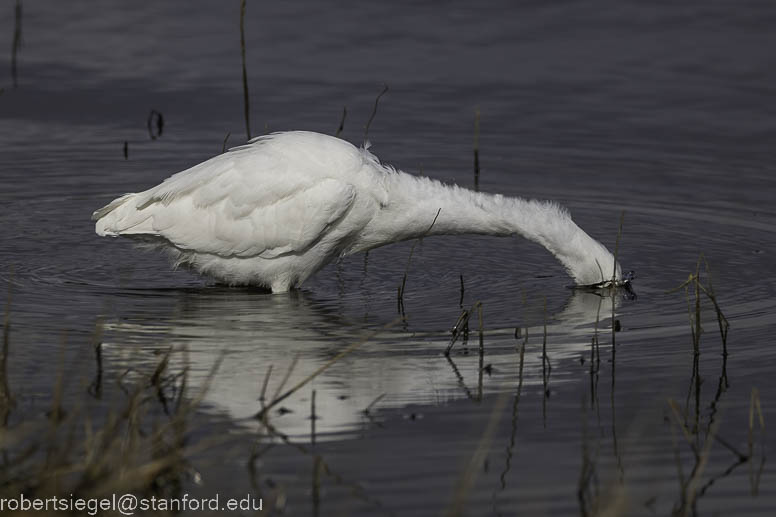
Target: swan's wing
235, 205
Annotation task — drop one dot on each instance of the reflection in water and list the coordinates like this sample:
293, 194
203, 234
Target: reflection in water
5, 393
700, 435
270, 343
690, 423
513, 428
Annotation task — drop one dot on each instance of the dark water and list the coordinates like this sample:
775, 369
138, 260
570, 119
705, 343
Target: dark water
663, 111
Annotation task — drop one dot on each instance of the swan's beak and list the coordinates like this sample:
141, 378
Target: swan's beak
626, 284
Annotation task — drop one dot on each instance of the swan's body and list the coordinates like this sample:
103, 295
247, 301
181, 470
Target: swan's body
276, 210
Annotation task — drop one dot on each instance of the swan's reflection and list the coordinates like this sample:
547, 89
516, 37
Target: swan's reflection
251, 332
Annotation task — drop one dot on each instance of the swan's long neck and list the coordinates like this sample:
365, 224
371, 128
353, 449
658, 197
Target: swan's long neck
413, 202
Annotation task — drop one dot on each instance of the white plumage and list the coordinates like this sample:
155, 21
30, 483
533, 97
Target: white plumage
276, 210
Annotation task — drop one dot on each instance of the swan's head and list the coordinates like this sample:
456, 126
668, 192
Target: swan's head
607, 280
592, 265
623, 280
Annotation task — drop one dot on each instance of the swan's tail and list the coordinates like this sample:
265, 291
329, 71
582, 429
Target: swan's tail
115, 218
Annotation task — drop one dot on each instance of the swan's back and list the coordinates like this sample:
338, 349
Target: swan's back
276, 195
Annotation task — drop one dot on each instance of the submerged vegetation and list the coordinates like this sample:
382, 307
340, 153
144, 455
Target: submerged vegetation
142, 445
17, 42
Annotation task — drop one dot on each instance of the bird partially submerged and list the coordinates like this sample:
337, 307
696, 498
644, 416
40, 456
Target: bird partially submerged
276, 210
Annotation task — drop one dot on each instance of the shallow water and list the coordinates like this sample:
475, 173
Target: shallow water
663, 112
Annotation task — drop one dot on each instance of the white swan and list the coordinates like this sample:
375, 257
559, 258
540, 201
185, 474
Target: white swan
276, 210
